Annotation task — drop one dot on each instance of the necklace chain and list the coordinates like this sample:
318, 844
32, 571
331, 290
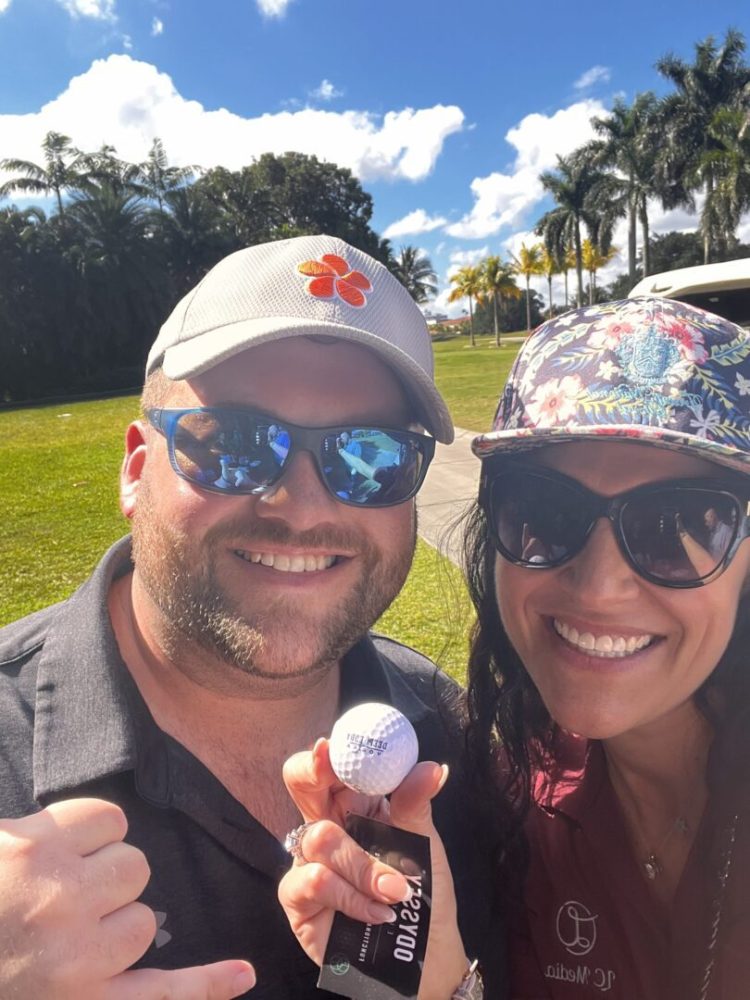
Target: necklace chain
651, 863
730, 835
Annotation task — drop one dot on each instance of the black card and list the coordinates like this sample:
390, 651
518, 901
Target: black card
376, 961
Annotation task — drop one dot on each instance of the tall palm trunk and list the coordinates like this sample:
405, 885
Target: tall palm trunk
528, 306
549, 287
645, 230
497, 328
579, 261
707, 234
471, 321
632, 226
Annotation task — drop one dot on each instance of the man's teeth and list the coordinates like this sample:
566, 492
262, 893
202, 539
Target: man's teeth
607, 646
288, 564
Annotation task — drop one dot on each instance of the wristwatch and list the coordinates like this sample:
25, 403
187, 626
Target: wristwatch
471, 986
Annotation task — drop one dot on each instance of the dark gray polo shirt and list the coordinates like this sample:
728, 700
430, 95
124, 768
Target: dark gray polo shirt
73, 723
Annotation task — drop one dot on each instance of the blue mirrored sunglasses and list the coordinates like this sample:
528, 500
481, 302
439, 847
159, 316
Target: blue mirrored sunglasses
238, 451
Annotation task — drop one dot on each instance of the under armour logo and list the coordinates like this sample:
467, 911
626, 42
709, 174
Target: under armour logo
162, 937
576, 928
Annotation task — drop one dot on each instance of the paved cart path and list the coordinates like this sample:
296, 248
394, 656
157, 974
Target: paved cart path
451, 484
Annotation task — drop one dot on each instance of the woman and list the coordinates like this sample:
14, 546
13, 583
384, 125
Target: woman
607, 564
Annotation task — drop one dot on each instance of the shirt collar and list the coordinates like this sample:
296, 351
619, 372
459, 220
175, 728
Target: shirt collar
368, 674
573, 783
82, 729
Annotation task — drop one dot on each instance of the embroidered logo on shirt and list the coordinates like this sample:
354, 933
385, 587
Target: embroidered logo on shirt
576, 928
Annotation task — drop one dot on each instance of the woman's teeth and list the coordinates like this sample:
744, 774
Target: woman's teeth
607, 646
288, 564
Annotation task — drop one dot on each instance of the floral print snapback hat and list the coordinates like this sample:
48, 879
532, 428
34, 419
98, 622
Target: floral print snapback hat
651, 369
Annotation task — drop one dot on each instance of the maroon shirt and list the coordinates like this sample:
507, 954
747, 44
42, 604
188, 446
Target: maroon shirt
591, 927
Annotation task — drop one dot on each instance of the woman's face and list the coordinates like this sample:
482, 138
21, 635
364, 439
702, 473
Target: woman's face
552, 615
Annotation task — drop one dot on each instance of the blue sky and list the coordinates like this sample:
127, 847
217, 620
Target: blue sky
446, 112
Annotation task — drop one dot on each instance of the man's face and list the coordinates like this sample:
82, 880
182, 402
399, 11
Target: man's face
283, 583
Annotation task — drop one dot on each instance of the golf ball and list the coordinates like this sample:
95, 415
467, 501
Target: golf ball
372, 748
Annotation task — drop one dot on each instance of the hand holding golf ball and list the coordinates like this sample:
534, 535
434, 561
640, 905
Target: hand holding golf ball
373, 751
372, 748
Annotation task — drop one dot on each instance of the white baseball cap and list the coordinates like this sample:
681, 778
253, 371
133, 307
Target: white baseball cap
308, 285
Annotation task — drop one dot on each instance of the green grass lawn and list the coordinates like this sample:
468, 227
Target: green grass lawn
58, 483
470, 379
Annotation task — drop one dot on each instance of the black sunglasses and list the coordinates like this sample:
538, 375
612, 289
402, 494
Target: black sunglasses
677, 533
238, 451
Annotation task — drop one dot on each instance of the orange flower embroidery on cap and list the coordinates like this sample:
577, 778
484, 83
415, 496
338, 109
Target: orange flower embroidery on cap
331, 277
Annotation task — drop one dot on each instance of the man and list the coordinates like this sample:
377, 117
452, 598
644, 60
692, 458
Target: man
164, 696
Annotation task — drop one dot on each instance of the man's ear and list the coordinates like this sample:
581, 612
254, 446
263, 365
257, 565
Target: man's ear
132, 466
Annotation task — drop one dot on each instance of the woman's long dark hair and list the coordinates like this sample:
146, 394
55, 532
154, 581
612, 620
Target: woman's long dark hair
510, 732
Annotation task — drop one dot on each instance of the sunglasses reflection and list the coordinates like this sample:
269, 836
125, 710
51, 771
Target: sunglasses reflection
358, 465
366, 464
706, 550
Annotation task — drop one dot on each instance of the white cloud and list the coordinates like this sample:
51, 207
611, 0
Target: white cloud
127, 43
97, 10
157, 27
273, 8
465, 258
415, 222
4, 4
597, 74
452, 310
504, 199
326, 91
126, 103
743, 230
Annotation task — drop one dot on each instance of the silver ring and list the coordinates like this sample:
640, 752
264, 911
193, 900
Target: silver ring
293, 841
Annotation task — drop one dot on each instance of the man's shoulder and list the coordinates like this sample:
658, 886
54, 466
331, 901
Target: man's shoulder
409, 660
422, 676
22, 645
22, 639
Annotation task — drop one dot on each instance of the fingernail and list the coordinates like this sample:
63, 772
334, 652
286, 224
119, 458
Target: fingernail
317, 744
244, 981
392, 887
444, 776
378, 913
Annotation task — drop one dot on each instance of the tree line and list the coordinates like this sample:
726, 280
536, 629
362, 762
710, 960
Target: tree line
84, 288
693, 142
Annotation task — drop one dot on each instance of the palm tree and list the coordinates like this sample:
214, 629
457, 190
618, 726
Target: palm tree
567, 262
629, 146
121, 273
528, 263
718, 79
497, 283
62, 170
572, 186
158, 178
105, 170
468, 284
729, 164
593, 260
193, 238
550, 267
414, 270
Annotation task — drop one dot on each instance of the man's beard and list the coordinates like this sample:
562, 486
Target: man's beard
277, 640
